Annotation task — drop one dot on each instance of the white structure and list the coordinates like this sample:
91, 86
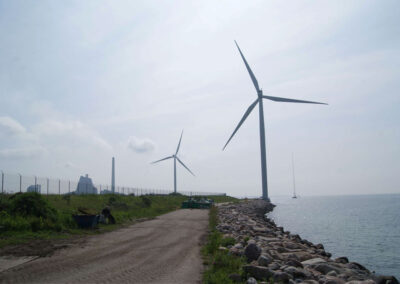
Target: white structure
85, 186
175, 157
113, 175
34, 188
259, 101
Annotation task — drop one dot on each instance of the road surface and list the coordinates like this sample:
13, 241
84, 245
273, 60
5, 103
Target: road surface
163, 250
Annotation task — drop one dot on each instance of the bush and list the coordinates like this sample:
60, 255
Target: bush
146, 201
32, 204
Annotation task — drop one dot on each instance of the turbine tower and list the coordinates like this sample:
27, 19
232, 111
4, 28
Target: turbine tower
175, 157
259, 101
113, 175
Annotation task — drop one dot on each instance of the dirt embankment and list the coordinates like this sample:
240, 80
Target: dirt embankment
163, 250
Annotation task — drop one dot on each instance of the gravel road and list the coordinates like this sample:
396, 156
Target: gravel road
163, 250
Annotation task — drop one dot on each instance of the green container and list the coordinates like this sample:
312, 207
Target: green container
197, 204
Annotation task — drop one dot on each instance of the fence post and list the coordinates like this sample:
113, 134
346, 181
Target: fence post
69, 186
47, 186
20, 183
59, 187
36, 184
2, 182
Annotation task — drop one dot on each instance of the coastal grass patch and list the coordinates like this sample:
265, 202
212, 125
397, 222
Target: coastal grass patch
219, 263
31, 216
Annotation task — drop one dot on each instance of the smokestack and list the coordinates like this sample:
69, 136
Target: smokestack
113, 176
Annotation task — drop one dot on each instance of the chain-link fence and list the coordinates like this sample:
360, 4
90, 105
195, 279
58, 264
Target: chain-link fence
13, 183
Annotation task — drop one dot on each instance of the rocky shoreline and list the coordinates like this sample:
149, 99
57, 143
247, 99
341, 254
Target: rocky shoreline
275, 254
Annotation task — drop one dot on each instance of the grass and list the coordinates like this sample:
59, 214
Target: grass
220, 264
29, 216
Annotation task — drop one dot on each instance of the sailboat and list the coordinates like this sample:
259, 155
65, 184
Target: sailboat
294, 181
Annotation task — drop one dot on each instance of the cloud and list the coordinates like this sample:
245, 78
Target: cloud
141, 145
71, 131
10, 126
23, 153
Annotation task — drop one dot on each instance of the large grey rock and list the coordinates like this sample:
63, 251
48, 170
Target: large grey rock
386, 280
252, 252
258, 272
313, 261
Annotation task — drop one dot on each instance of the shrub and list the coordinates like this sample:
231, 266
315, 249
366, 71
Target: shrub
146, 201
32, 204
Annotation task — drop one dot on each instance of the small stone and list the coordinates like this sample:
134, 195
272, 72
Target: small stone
295, 263
370, 281
313, 261
332, 273
274, 266
342, 259
251, 280
235, 277
325, 268
282, 277
258, 272
297, 272
264, 260
355, 265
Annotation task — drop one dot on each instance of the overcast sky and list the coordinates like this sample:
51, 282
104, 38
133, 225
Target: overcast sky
82, 81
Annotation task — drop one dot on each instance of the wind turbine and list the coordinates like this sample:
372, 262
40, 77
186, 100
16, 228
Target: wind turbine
175, 157
259, 101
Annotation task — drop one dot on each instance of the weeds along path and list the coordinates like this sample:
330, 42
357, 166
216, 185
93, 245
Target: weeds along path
163, 250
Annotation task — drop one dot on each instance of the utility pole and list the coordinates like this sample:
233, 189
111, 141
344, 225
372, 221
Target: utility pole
20, 183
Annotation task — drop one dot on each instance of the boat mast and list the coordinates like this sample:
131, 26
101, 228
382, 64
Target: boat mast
294, 181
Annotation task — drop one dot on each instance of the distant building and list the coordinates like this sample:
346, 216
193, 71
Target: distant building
34, 188
106, 191
85, 186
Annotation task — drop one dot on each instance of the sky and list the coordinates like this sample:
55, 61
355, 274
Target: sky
83, 81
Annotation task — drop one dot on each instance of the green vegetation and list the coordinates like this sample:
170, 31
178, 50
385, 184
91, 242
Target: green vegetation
220, 263
28, 216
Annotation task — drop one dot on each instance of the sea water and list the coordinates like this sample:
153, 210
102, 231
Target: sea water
365, 228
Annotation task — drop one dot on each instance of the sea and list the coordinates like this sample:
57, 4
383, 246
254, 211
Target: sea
365, 228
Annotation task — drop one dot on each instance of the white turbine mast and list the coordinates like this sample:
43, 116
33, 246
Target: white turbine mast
259, 101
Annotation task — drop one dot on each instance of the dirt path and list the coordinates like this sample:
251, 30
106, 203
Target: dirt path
163, 250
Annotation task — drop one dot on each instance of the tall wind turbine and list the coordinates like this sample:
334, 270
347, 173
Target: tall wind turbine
175, 157
259, 101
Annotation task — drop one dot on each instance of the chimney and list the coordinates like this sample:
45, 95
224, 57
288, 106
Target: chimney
113, 175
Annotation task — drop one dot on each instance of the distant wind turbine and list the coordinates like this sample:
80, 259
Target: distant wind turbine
175, 157
259, 101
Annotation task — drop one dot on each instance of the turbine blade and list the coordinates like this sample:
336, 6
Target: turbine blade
163, 159
246, 114
253, 78
179, 144
184, 166
278, 99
